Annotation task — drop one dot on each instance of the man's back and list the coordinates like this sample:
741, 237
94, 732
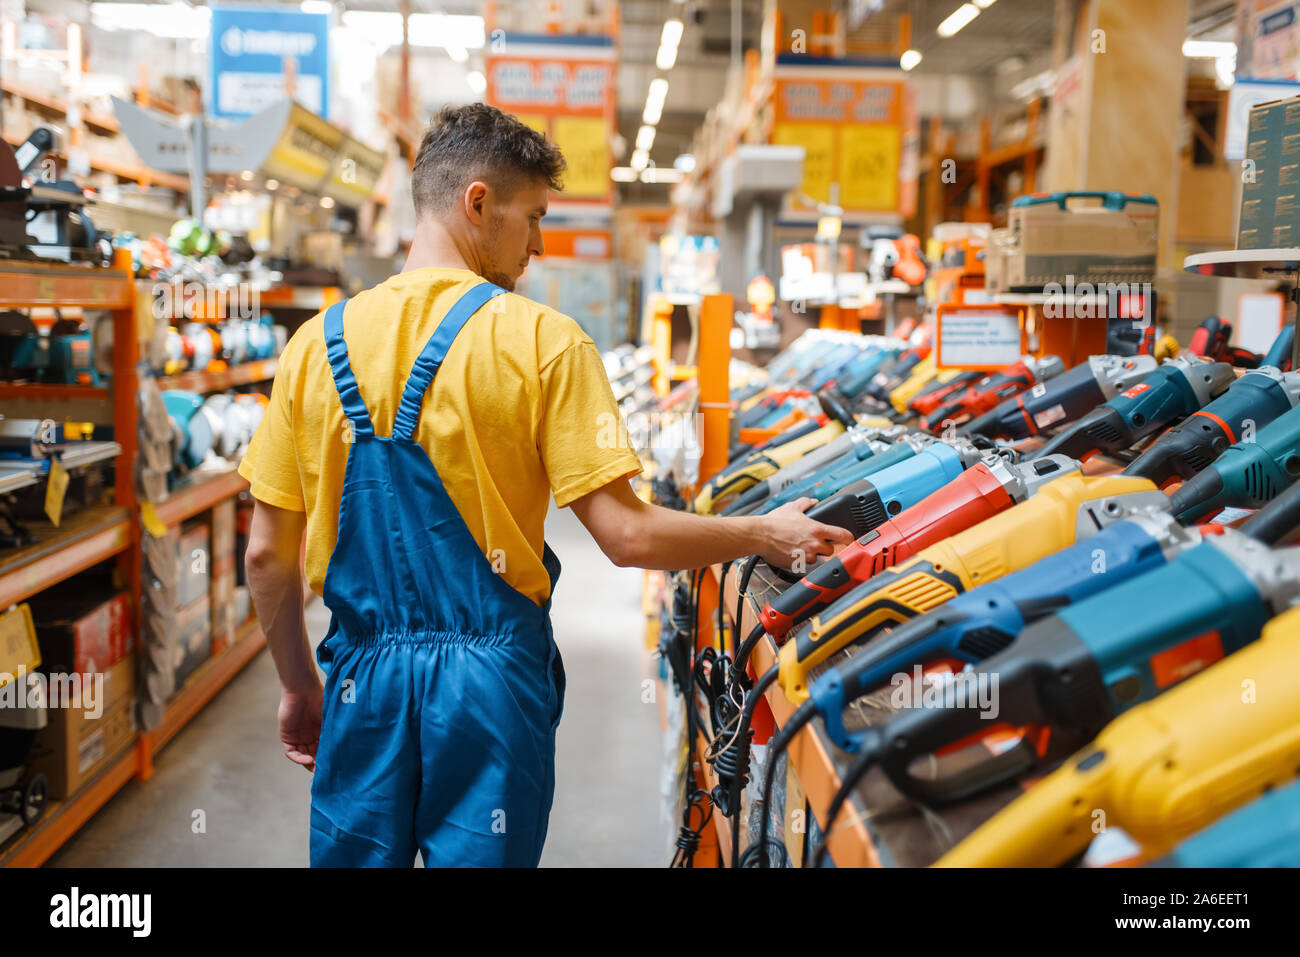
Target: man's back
516, 411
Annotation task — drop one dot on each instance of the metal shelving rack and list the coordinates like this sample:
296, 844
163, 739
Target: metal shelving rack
114, 531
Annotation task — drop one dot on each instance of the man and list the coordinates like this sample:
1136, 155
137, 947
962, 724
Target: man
415, 437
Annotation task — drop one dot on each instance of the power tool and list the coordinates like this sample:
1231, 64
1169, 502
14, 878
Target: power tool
837, 357
993, 389
921, 376
895, 374
1247, 474
1061, 399
804, 359
1264, 833
1250, 403
1173, 391
837, 362
1072, 672
1211, 337
982, 491
935, 392
759, 465
1166, 768
1279, 353
985, 620
858, 442
822, 484
1061, 513
857, 375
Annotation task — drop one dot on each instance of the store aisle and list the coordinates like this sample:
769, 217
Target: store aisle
223, 795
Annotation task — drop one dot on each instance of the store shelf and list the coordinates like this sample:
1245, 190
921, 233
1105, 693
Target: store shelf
63, 818
51, 103
51, 392
1276, 264
84, 539
245, 374
206, 491
203, 685
123, 170
300, 297
23, 285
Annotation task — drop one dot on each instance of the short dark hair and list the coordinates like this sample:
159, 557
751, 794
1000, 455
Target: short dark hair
478, 141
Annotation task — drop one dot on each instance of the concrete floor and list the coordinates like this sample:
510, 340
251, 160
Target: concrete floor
223, 795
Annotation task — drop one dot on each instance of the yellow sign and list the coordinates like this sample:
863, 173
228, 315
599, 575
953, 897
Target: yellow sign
55, 488
868, 173
534, 121
18, 646
818, 141
583, 142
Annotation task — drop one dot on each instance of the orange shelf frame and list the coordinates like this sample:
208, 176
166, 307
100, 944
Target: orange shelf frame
200, 497
26, 285
245, 374
91, 538
42, 390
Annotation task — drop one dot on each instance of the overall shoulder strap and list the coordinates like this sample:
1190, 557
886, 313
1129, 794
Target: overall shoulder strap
435, 350
354, 407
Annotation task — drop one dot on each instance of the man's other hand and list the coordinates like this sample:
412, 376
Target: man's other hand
792, 535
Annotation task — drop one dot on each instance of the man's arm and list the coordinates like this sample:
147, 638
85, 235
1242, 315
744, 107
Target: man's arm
633, 533
275, 584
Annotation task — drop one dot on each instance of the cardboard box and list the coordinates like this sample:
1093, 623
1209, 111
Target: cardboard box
223, 532
82, 635
223, 604
72, 748
1052, 241
194, 556
194, 638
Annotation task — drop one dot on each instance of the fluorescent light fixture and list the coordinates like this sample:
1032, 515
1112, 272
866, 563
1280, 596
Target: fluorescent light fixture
664, 174
477, 81
1209, 49
909, 59
326, 202
640, 160
443, 30
316, 6
685, 163
958, 19
623, 174
984, 4
668, 41
654, 101
171, 21
645, 138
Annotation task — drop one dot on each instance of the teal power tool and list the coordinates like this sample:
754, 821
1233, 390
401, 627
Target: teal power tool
1172, 392
854, 379
1074, 671
1264, 833
823, 484
856, 444
1246, 475
981, 622
191, 431
1250, 403
1061, 399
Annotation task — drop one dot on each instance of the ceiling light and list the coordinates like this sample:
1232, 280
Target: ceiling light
326, 202
672, 35
477, 81
316, 6
685, 163
958, 19
661, 174
246, 175
645, 138
640, 159
273, 184
984, 4
909, 59
623, 174
654, 101
1209, 48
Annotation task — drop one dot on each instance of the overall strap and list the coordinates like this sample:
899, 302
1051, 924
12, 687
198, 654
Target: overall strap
354, 407
435, 350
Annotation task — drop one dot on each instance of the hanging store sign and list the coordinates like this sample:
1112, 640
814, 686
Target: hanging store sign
249, 50
565, 89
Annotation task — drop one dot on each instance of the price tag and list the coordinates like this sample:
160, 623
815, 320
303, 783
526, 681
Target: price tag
55, 488
153, 524
18, 647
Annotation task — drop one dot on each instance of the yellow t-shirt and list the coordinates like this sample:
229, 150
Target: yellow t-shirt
521, 407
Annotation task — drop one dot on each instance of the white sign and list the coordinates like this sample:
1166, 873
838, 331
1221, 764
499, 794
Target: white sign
1259, 320
978, 337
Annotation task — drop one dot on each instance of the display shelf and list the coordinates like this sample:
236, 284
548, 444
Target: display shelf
246, 373
204, 492
27, 284
1275, 264
62, 819
51, 103
82, 540
300, 297
50, 391
123, 170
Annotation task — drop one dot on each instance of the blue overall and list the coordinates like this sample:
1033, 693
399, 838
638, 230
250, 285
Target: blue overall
443, 684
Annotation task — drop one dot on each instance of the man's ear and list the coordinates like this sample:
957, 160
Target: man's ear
475, 201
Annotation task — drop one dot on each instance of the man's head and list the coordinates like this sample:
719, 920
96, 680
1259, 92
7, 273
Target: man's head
485, 177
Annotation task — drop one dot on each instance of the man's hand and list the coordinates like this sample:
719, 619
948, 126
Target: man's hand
300, 725
792, 534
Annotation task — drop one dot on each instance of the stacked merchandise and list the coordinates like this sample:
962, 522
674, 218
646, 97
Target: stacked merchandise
993, 617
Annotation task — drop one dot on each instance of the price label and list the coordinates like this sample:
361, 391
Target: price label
818, 142
153, 523
585, 145
55, 488
869, 167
